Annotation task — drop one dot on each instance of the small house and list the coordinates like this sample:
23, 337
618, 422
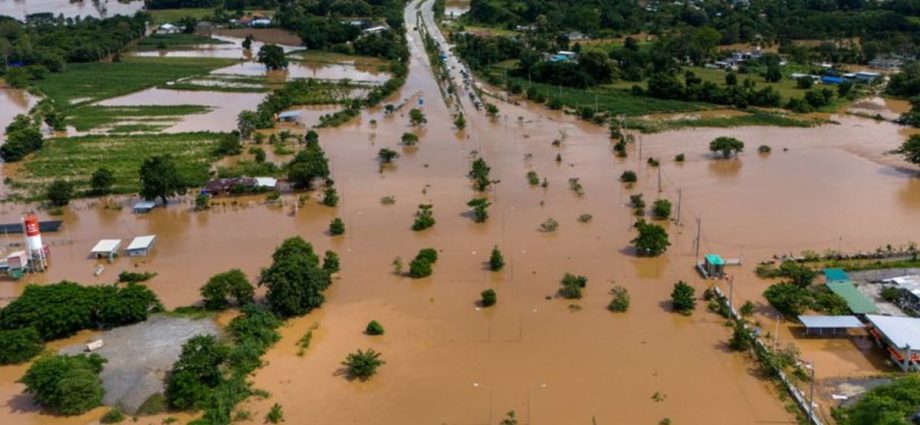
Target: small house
266, 183
230, 186
106, 248
260, 23
829, 79
374, 30
867, 77
713, 265
167, 29
140, 246
288, 116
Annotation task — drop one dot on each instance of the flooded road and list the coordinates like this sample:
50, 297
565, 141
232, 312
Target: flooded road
449, 362
70, 9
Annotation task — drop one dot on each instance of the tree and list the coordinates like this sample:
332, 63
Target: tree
726, 145
246, 123
910, 149
488, 298
741, 340
102, 181
496, 260
479, 172
799, 274
330, 196
572, 286
362, 364
229, 144
652, 239
628, 176
160, 178
787, 298
409, 139
731, 79
374, 328
620, 301
229, 284
480, 209
683, 299
387, 155
331, 263
247, 42
417, 117
491, 110
424, 217
336, 227
272, 56
19, 345
196, 372
59, 192
274, 415
295, 280
661, 209
420, 266
460, 121
66, 385
886, 404
308, 165
21, 141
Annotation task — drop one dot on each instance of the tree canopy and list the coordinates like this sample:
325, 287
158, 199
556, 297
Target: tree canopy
160, 178
222, 286
66, 385
272, 56
295, 280
726, 145
652, 239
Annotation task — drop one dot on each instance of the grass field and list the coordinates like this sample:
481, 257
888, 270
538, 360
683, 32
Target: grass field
753, 118
174, 41
163, 16
88, 117
84, 83
76, 158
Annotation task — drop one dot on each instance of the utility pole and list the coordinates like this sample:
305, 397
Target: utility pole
640, 150
679, 196
697, 241
659, 179
731, 293
811, 391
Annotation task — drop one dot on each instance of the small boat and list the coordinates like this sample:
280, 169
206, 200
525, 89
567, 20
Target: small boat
98, 270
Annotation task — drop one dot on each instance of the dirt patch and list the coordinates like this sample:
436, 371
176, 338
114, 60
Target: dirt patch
138, 356
263, 35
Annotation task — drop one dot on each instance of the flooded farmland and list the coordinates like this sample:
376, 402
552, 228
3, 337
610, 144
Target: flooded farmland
19, 9
450, 362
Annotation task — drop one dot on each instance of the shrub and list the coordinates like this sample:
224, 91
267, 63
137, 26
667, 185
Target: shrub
196, 372
585, 218
330, 197
652, 239
419, 268
741, 340
496, 260
202, 202
59, 192
337, 227
387, 155
682, 298
679, 157
113, 416
230, 284
488, 298
428, 254
374, 328
628, 176
572, 286
409, 139
480, 209
66, 385
764, 149
362, 364
747, 309
620, 301
132, 277
888, 293
19, 345
726, 146
550, 225
661, 209
636, 201
424, 218
275, 415
532, 178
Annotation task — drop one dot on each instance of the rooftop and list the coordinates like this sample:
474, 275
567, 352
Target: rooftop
141, 242
833, 275
106, 246
857, 302
900, 331
830, 322
714, 259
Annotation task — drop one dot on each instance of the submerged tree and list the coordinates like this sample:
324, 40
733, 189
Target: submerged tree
66, 385
480, 209
230, 284
652, 239
460, 121
387, 155
272, 56
362, 364
424, 217
417, 117
102, 181
295, 280
910, 150
726, 145
496, 260
479, 172
682, 298
308, 165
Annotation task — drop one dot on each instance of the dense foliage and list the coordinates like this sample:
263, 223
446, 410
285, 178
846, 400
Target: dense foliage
62, 309
22, 138
652, 239
295, 280
887, 404
66, 385
308, 165
683, 299
160, 178
19, 345
223, 286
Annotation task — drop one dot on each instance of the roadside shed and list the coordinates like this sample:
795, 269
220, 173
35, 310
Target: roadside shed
714, 264
900, 337
857, 302
832, 324
106, 248
140, 246
288, 116
835, 275
143, 206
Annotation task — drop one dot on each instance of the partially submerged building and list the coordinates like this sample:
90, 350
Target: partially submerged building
899, 337
140, 246
821, 325
106, 248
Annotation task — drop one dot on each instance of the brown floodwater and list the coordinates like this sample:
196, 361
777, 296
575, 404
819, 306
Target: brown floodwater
70, 9
13, 102
449, 362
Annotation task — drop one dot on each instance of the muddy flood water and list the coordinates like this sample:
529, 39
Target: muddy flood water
450, 362
69, 8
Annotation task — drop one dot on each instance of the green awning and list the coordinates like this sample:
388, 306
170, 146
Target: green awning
836, 275
857, 302
714, 259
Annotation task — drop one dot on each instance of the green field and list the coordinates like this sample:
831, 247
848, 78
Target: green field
163, 16
76, 158
752, 118
84, 83
88, 117
174, 41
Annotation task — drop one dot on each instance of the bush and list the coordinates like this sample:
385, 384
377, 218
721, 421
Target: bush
550, 225
19, 345
362, 364
331, 262
480, 209
488, 298
274, 415
196, 373
787, 298
59, 192
886, 404
679, 157
336, 227
133, 277
741, 340
620, 301
374, 328
532, 178
628, 176
496, 260
230, 284
428, 254
661, 209
113, 416
409, 139
682, 298
330, 196
295, 280
652, 239
572, 286
889, 293
66, 385
764, 149
424, 218
419, 268
202, 202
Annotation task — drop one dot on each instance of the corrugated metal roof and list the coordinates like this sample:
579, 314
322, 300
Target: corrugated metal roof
106, 246
832, 322
141, 242
857, 302
833, 275
900, 331
715, 259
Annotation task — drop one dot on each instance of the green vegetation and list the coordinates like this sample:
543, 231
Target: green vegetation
417, 117
331, 262
421, 265
85, 118
174, 41
683, 299
628, 176
572, 286
532, 178
295, 280
751, 117
362, 365
488, 298
496, 260
66, 385
374, 328
726, 146
272, 56
135, 277
113, 416
59, 192
330, 196
308, 165
661, 209
480, 208
274, 415
910, 150
620, 301
162, 16
86, 83
19, 345
23, 136
479, 172
652, 239
424, 217
76, 158
893, 403
337, 227
387, 155
222, 286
